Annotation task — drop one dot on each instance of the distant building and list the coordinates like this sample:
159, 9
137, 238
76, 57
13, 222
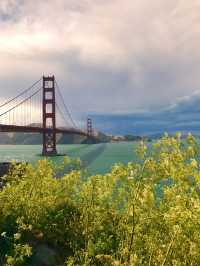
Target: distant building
118, 138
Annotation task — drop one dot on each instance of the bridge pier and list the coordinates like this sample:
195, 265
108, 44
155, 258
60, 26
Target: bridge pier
49, 117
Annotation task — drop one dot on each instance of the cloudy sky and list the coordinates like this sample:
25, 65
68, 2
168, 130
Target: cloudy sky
109, 56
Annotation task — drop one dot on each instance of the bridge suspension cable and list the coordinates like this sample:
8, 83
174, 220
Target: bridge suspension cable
65, 107
20, 94
62, 115
22, 102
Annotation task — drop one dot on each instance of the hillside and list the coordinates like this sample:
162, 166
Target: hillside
36, 138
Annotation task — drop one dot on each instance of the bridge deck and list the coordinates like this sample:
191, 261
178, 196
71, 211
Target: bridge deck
31, 129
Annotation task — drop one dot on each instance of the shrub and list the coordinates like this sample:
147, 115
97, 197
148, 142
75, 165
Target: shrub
144, 213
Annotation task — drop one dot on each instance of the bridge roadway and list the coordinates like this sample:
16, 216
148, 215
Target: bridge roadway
37, 129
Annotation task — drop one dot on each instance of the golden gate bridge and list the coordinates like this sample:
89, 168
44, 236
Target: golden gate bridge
37, 110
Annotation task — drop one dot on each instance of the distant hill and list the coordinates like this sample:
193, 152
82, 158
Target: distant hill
20, 138
36, 138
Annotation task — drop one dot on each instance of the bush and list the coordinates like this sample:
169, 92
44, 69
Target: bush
145, 213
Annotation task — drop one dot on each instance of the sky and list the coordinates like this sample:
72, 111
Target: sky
109, 57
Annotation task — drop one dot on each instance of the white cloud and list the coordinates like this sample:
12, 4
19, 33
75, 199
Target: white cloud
115, 55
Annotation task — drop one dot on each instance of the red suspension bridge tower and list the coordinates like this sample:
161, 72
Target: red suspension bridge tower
49, 116
89, 127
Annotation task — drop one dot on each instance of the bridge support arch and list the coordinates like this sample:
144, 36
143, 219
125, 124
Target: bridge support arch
49, 117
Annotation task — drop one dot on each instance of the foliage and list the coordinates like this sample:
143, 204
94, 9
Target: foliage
144, 213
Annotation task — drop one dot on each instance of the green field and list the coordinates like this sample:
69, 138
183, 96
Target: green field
97, 158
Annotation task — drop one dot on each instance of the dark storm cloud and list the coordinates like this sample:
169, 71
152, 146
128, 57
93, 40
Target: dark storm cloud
182, 117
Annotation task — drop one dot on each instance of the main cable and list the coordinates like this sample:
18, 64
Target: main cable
17, 105
62, 115
20, 94
65, 106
